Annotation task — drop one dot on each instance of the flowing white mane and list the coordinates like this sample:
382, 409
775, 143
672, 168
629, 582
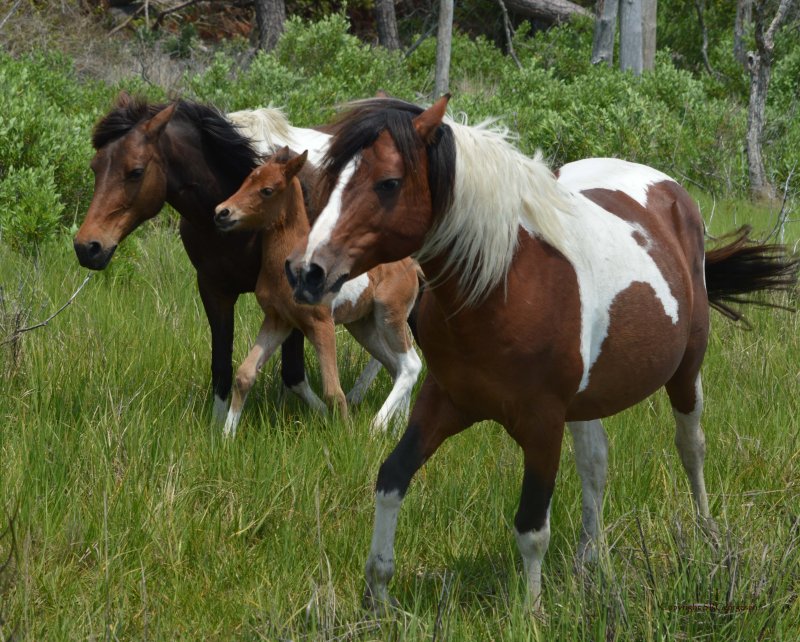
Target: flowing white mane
270, 130
268, 127
497, 189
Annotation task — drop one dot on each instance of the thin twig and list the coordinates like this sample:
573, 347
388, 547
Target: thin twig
163, 14
15, 335
8, 15
780, 223
420, 40
124, 24
509, 35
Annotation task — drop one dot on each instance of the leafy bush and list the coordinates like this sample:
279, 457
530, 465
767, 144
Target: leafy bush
31, 207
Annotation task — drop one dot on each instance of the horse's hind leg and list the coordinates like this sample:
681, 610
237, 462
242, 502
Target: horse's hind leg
322, 334
591, 458
364, 381
686, 394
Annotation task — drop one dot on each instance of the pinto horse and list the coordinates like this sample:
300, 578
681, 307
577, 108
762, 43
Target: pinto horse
191, 156
374, 307
596, 286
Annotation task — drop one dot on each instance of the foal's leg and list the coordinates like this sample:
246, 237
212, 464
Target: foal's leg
686, 395
364, 381
591, 458
433, 419
541, 443
270, 336
322, 334
219, 312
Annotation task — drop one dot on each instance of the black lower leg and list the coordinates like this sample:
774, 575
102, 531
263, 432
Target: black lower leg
293, 369
534, 502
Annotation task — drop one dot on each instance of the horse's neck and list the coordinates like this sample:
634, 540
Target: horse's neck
194, 189
291, 227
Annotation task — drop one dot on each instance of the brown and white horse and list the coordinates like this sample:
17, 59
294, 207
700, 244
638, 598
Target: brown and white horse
552, 300
374, 306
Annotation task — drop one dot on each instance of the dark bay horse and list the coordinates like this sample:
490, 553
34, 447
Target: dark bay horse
552, 300
374, 307
190, 156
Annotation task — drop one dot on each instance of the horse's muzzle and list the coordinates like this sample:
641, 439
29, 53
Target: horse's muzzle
309, 283
92, 254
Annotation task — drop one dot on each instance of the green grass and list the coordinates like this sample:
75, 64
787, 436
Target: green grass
134, 519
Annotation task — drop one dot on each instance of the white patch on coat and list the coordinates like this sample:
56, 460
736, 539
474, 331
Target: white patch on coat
326, 222
533, 546
608, 253
351, 292
611, 174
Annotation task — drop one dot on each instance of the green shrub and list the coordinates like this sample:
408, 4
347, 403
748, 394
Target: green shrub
31, 207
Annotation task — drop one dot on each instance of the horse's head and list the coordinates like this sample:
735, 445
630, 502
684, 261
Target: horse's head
258, 202
130, 181
394, 166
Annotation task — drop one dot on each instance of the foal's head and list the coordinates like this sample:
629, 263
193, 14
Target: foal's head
261, 199
395, 166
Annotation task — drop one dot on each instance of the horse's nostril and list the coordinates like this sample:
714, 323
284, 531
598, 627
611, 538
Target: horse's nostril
94, 248
314, 275
223, 213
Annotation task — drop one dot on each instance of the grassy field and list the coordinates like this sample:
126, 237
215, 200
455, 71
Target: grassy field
127, 516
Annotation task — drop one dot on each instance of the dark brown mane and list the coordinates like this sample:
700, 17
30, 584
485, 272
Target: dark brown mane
359, 127
225, 142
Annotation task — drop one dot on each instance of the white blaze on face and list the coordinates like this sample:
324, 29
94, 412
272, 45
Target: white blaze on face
608, 253
326, 222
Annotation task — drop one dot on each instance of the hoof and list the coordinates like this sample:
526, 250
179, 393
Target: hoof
379, 607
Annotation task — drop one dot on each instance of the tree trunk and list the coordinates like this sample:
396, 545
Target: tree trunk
759, 64
547, 10
270, 16
744, 15
605, 27
444, 38
630, 36
649, 10
386, 21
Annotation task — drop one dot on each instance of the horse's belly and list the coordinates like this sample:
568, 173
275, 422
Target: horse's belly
641, 351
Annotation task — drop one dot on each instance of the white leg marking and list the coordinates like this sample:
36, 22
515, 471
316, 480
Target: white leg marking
231, 422
380, 563
220, 409
321, 232
591, 458
304, 391
364, 381
691, 444
397, 403
533, 546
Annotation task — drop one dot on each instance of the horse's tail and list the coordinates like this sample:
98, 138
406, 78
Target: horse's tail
743, 267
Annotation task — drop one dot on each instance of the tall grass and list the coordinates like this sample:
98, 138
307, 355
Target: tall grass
131, 518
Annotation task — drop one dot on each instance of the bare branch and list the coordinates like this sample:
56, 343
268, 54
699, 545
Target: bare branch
15, 335
509, 39
10, 13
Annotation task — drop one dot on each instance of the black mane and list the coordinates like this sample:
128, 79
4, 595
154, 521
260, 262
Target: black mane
224, 140
359, 127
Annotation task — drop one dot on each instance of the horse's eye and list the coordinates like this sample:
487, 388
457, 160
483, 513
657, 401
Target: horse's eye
136, 174
388, 185
266, 191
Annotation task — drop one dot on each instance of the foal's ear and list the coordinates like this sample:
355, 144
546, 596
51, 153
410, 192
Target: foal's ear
123, 99
294, 165
428, 121
154, 126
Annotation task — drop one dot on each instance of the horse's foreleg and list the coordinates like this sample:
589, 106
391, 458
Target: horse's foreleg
541, 444
322, 334
591, 459
270, 336
219, 312
293, 370
433, 420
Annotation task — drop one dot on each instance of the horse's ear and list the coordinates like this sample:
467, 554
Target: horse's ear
428, 121
123, 99
154, 126
282, 155
294, 165
381, 94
